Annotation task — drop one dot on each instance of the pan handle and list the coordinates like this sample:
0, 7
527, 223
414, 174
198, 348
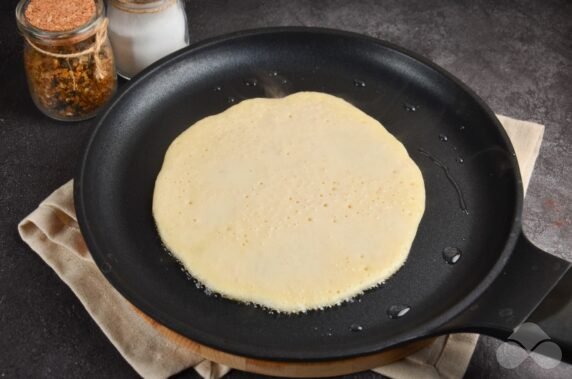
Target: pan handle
534, 289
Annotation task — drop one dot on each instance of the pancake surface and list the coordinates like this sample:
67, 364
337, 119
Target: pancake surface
294, 203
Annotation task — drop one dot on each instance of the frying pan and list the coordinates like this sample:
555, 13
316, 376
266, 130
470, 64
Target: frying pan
473, 207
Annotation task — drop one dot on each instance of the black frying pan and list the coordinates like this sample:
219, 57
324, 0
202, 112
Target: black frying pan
474, 206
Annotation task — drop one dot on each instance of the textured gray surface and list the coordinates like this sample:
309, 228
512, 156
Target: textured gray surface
516, 55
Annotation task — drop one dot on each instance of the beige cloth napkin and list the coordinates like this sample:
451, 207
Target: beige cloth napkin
52, 232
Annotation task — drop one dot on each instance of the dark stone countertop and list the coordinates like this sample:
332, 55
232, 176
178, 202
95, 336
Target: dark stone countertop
517, 55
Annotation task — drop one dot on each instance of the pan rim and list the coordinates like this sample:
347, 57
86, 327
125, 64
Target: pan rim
420, 331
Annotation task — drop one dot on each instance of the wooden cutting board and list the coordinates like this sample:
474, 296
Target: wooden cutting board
292, 369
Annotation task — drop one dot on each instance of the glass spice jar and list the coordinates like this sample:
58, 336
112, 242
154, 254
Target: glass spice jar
144, 31
71, 74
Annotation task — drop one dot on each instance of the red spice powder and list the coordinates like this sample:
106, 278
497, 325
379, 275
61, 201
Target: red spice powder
59, 15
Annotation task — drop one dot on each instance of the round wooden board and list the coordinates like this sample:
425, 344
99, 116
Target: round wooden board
292, 369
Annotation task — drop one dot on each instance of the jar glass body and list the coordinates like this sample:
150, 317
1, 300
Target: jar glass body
71, 75
144, 31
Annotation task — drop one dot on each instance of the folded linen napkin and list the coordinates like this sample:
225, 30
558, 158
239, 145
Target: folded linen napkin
53, 233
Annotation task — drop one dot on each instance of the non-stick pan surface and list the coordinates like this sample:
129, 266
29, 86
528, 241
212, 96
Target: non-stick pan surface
470, 162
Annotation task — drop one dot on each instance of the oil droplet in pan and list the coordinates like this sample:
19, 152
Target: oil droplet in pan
438, 163
409, 107
356, 328
250, 82
397, 311
451, 254
359, 83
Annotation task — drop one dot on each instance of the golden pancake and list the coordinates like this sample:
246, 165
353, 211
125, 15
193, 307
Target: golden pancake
295, 203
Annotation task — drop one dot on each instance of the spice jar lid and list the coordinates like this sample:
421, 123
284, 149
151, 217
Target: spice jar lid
87, 28
140, 1
142, 6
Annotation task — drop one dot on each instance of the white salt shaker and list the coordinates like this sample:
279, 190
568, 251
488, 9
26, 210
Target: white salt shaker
143, 31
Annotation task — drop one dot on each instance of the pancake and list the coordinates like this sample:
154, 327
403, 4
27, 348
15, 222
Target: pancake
294, 204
